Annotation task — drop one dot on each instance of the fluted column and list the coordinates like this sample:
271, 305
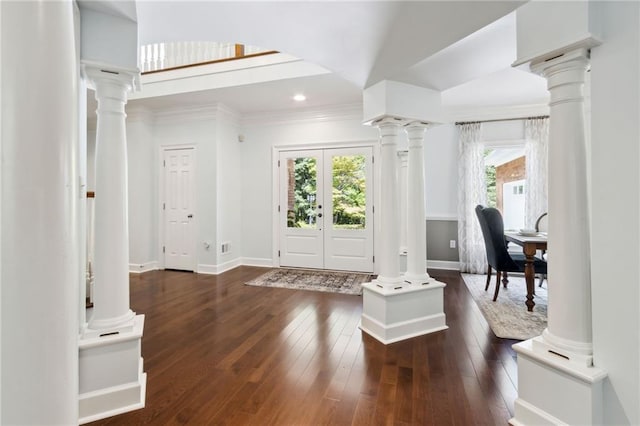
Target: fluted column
569, 313
402, 189
111, 250
389, 271
417, 233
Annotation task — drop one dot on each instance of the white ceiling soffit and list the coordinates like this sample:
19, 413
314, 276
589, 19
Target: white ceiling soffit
363, 41
507, 87
120, 8
488, 50
320, 90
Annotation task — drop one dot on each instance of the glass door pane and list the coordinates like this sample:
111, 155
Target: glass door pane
302, 191
349, 191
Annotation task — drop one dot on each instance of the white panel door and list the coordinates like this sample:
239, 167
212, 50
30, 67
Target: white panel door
326, 209
348, 222
179, 191
301, 218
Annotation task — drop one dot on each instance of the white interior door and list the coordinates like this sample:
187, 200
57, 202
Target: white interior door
326, 209
179, 193
301, 218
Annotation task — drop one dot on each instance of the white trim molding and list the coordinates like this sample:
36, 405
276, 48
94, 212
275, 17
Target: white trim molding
139, 268
443, 264
218, 269
261, 262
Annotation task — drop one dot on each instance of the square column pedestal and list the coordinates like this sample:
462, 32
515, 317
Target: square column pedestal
112, 380
555, 391
392, 315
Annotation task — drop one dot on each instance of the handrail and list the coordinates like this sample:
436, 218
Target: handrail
216, 61
176, 55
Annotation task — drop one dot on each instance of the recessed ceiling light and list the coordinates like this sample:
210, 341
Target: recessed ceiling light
299, 97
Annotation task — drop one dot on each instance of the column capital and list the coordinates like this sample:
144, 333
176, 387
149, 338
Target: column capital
565, 75
97, 73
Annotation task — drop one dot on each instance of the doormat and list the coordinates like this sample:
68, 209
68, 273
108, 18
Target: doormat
314, 280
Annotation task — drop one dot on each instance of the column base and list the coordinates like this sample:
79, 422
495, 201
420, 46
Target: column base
395, 314
553, 390
111, 374
422, 279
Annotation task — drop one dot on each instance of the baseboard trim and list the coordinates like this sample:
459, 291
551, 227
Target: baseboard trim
110, 402
387, 334
443, 264
257, 261
218, 269
139, 268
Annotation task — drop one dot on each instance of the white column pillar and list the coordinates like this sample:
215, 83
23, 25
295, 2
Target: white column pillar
389, 272
417, 232
569, 311
39, 107
402, 189
111, 252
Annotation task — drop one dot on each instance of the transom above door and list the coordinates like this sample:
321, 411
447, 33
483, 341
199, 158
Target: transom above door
326, 209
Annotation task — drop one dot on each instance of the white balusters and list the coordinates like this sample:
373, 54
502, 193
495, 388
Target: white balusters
160, 56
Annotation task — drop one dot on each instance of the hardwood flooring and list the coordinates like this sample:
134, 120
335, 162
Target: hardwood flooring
219, 352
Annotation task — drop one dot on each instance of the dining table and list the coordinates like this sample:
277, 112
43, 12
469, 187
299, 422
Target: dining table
530, 243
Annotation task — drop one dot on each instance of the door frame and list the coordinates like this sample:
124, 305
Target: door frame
161, 193
275, 188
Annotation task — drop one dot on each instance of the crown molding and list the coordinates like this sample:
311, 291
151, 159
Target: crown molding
495, 112
344, 112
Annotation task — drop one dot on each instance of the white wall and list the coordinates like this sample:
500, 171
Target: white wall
143, 190
229, 172
441, 172
615, 265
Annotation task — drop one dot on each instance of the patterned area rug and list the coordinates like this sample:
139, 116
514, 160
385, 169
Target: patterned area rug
508, 316
317, 280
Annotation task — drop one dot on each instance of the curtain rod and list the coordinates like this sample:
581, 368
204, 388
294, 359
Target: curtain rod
501, 119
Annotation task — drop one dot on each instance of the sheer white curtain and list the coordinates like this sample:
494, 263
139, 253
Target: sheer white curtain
472, 190
536, 133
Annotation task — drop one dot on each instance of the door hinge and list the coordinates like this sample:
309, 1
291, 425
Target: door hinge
163, 206
163, 249
374, 259
373, 159
164, 163
278, 209
278, 163
373, 209
278, 253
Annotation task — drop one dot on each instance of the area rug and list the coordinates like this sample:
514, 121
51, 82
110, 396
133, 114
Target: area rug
508, 316
314, 280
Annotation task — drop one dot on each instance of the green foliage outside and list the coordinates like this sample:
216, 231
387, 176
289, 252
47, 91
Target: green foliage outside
349, 186
304, 213
349, 196
490, 178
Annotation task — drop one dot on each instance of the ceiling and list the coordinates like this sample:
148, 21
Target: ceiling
462, 48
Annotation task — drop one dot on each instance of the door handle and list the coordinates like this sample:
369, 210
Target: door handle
190, 216
319, 214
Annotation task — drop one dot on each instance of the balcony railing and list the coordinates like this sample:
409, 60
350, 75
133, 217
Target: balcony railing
168, 56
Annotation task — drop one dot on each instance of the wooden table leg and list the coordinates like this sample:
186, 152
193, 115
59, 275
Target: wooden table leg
529, 275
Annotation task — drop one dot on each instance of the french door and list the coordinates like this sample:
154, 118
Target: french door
326, 209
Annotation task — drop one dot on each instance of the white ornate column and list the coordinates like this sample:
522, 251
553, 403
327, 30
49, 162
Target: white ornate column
417, 237
389, 273
394, 310
111, 251
561, 359
569, 312
111, 366
403, 157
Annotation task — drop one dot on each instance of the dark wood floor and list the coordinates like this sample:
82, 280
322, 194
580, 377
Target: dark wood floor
219, 352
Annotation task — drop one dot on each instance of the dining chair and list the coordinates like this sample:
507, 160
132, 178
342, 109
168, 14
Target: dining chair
542, 226
498, 257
